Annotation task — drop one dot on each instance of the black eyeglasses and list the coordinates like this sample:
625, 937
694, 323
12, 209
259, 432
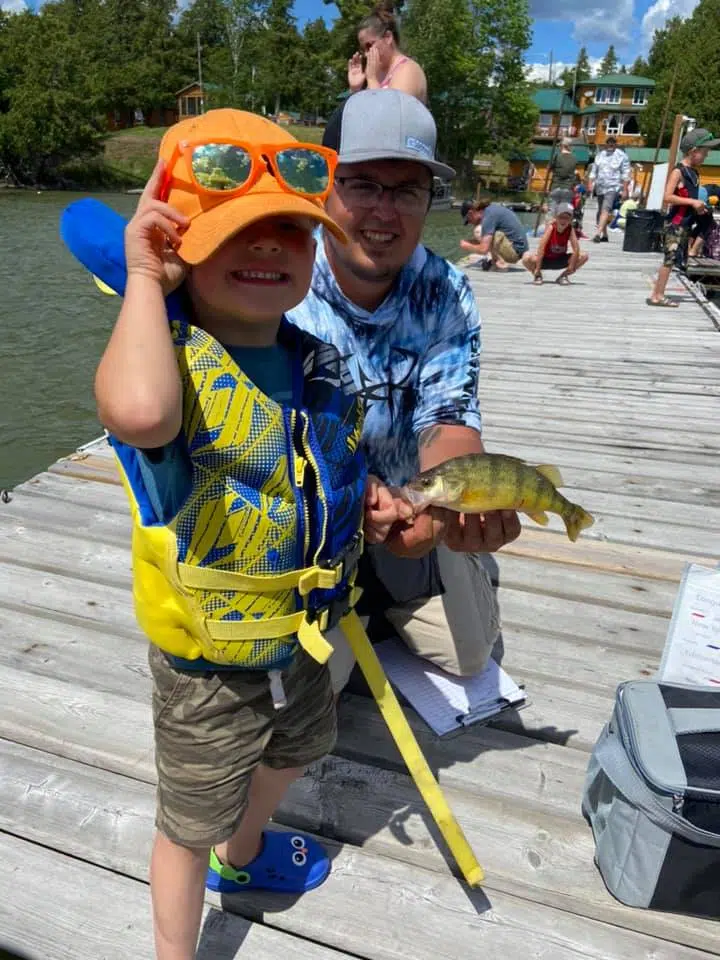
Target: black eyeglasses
365, 194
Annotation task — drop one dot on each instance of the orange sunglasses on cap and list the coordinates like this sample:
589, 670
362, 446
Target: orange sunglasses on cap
232, 167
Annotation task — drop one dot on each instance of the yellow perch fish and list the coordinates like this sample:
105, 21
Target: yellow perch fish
480, 482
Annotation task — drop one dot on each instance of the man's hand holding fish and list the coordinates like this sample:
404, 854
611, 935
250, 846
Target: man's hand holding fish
462, 532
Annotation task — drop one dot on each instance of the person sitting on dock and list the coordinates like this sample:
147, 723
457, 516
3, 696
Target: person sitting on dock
552, 252
407, 324
238, 437
610, 179
684, 203
498, 233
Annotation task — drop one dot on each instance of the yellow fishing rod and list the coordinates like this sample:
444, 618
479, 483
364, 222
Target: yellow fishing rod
410, 749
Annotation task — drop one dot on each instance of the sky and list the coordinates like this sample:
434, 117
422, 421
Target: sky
561, 27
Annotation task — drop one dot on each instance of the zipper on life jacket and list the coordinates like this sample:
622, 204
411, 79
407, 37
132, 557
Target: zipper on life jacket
298, 479
320, 493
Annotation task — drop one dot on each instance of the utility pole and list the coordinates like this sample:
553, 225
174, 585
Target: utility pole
550, 69
200, 77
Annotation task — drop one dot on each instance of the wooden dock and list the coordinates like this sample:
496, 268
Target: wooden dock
625, 400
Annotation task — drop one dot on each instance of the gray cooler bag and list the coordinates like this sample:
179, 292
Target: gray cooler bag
652, 797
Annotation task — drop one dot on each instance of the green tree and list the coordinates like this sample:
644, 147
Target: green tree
609, 63
689, 51
577, 73
277, 57
319, 87
639, 68
472, 54
48, 111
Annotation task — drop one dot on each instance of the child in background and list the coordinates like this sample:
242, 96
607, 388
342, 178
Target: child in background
552, 251
682, 198
237, 435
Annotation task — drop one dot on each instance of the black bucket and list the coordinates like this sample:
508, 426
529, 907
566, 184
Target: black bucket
643, 231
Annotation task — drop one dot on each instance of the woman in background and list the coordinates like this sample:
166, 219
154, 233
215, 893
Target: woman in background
380, 63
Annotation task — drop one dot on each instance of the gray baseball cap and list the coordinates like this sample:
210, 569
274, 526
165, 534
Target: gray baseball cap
699, 137
385, 125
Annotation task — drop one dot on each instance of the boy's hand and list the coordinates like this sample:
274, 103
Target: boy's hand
699, 205
383, 509
152, 235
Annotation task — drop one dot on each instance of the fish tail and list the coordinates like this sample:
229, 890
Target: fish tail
576, 519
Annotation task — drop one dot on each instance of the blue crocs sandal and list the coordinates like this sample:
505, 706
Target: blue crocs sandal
287, 863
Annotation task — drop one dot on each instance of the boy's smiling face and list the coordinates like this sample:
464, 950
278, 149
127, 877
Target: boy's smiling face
241, 291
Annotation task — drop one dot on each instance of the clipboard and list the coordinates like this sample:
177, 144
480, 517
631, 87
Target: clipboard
448, 704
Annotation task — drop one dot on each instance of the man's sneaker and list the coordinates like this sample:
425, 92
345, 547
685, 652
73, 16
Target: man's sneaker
287, 863
604, 239
597, 238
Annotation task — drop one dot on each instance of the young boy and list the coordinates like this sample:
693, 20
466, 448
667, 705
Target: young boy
237, 435
552, 251
682, 199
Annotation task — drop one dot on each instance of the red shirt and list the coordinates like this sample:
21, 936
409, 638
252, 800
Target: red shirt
557, 244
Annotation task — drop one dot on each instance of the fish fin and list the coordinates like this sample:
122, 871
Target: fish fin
541, 518
577, 519
550, 473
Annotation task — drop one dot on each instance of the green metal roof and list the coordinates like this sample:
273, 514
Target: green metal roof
541, 154
647, 155
619, 80
550, 101
611, 108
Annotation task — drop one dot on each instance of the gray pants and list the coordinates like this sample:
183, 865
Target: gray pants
455, 630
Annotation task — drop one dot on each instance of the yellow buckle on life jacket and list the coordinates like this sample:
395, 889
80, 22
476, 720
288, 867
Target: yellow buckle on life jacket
325, 576
311, 631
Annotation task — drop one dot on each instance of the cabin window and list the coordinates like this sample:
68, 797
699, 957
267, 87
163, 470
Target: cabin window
640, 97
189, 106
631, 127
589, 124
612, 124
608, 95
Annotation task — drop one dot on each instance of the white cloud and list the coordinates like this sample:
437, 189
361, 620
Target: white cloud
660, 12
608, 22
13, 6
541, 71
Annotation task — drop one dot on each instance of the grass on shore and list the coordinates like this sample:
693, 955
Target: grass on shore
128, 157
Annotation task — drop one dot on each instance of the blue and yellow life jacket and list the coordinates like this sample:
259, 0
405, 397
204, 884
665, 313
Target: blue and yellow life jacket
262, 555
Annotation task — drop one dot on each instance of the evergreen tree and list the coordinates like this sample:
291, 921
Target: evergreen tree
277, 64
609, 63
689, 51
318, 96
584, 71
639, 68
472, 54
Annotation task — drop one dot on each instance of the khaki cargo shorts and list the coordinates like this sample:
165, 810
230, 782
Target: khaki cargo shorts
213, 728
503, 248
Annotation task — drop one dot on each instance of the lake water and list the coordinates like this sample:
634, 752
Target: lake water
54, 325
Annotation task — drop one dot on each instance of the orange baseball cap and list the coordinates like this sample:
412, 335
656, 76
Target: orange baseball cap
213, 218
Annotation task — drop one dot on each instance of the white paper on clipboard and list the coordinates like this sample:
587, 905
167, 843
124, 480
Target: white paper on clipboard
445, 702
692, 648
